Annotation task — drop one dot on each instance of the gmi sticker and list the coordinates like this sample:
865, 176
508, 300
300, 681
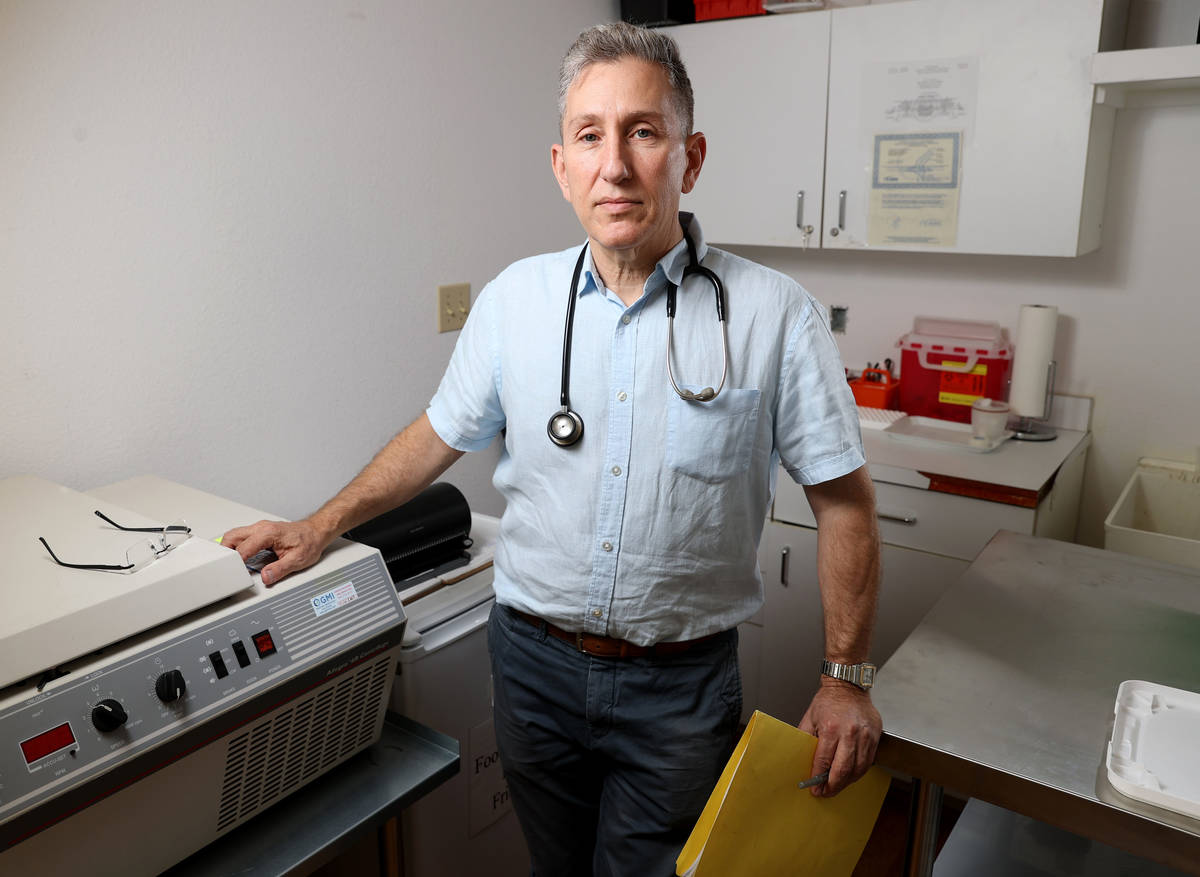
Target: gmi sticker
330, 600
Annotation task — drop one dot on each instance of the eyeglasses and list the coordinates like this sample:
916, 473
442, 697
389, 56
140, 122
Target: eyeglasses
139, 554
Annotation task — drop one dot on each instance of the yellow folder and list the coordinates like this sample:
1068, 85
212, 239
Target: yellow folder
757, 822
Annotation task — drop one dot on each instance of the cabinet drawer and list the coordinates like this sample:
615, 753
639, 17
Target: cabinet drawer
910, 517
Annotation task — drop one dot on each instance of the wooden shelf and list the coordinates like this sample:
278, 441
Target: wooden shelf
1147, 77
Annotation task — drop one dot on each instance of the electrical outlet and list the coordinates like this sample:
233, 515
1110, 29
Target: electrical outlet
453, 305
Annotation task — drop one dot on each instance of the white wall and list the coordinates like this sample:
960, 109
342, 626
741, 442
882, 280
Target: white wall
1129, 324
222, 225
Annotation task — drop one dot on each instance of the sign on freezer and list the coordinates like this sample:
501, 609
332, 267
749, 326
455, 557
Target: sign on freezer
489, 798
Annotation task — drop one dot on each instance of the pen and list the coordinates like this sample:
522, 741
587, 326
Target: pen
813, 781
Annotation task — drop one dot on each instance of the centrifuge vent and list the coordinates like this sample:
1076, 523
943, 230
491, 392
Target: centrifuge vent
285, 749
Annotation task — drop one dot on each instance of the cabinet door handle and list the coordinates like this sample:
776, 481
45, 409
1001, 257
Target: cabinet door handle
909, 518
800, 209
784, 555
842, 210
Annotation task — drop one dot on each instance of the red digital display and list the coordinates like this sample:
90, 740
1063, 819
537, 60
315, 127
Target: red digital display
47, 742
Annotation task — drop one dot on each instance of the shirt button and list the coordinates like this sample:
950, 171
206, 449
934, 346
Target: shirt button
596, 613
616, 470
622, 396
626, 319
607, 546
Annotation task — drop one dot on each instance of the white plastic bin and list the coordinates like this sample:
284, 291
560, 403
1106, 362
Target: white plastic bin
1158, 513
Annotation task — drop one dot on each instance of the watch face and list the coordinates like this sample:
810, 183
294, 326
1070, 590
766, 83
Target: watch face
868, 676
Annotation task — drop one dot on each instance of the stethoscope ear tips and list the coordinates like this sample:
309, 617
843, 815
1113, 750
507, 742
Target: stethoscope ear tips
565, 428
705, 395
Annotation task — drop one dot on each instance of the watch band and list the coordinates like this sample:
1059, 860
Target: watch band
862, 675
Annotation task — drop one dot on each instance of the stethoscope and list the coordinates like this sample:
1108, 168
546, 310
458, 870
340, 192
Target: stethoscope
566, 426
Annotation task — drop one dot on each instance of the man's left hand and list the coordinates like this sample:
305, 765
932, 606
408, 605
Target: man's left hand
847, 727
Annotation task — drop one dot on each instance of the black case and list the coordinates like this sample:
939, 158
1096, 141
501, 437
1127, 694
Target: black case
426, 536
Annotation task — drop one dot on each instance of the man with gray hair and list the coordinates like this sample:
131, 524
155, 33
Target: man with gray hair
627, 552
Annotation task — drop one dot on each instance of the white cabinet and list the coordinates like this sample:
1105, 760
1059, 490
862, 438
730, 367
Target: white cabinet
1166, 76
792, 636
763, 173
963, 126
937, 511
1010, 103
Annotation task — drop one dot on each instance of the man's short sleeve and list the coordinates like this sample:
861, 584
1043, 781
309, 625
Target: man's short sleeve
465, 411
816, 423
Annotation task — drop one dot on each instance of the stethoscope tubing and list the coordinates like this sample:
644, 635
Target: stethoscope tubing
565, 426
708, 393
568, 331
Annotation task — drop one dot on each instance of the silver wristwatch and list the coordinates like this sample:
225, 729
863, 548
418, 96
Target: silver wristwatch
862, 675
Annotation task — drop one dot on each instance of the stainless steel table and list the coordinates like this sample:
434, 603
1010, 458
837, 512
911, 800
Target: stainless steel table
1005, 691
316, 823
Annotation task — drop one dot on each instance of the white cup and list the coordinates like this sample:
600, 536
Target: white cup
989, 417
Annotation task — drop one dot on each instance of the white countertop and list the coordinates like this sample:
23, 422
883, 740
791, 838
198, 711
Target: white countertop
1021, 465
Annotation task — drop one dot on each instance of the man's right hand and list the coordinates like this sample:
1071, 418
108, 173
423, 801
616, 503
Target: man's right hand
297, 545
408, 464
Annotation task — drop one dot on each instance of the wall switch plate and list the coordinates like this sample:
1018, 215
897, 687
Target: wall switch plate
453, 304
838, 317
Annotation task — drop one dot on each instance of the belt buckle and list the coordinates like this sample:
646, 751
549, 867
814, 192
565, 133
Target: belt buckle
579, 642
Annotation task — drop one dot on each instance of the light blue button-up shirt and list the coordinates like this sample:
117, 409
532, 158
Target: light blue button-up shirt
647, 529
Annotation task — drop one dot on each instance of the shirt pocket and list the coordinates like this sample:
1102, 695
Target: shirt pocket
713, 441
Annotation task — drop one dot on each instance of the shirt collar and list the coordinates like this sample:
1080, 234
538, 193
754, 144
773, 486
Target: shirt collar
670, 266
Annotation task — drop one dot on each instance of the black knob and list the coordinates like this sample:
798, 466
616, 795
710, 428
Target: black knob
170, 686
108, 715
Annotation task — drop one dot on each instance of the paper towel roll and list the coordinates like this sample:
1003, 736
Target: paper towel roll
1033, 352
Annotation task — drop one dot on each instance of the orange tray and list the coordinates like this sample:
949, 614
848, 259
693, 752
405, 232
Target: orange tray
881, 393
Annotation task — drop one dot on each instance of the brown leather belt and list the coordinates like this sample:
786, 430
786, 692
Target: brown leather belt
610, 647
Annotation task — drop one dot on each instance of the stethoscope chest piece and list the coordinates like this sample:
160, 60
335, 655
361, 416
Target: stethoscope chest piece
565, 428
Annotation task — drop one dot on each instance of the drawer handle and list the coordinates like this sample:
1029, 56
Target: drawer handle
784, 555
908, 518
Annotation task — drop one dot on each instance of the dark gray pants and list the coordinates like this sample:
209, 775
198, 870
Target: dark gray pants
609, 760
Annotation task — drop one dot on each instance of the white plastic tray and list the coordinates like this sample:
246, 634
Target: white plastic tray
877, 418
930, 431
1152, 755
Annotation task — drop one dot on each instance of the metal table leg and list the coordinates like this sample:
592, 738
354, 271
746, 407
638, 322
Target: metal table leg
924, 819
